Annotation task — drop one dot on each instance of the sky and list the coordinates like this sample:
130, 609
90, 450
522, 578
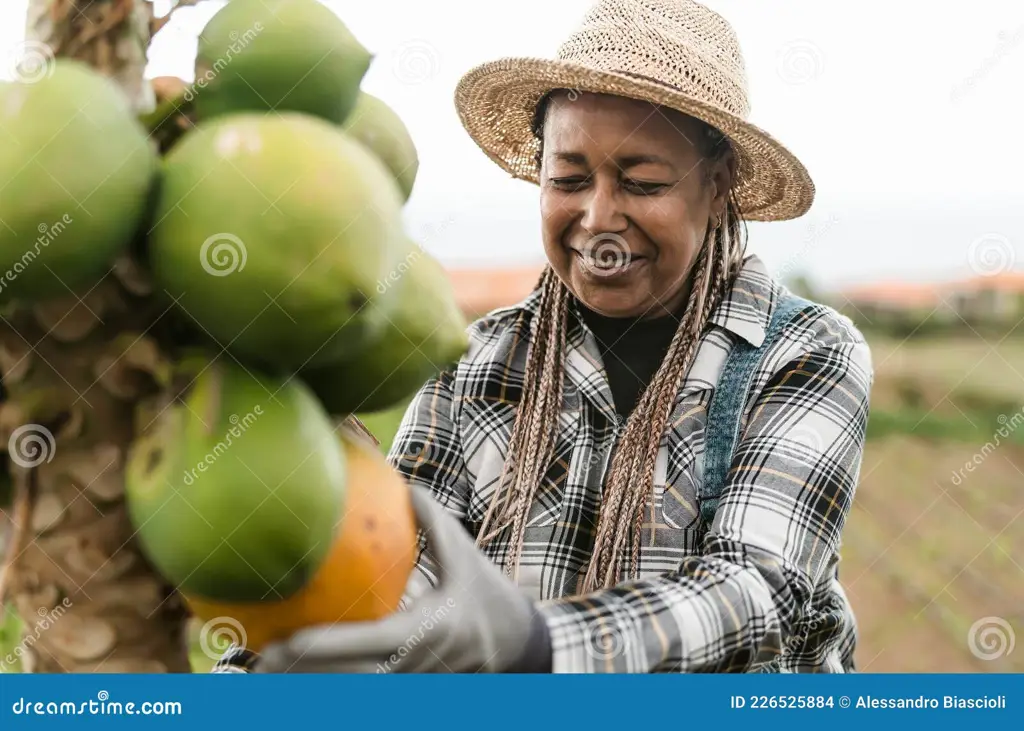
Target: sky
907, 115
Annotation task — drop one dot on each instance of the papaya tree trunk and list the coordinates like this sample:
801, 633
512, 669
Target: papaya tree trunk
75, 371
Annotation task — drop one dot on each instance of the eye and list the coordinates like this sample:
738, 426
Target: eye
574, 182
637, 186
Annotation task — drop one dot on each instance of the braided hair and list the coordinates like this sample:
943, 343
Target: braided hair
631, 479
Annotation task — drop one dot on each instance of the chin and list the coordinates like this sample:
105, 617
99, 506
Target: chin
612, 303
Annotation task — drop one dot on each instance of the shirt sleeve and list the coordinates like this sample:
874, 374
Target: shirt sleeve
774, 536
427, 451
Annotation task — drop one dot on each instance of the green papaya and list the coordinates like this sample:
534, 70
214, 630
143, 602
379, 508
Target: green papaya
277, 55
272, 233
235, 491
76, 169
426, 333
377, 126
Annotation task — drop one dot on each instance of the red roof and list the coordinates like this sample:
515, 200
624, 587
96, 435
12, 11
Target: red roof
479, 291
930, 294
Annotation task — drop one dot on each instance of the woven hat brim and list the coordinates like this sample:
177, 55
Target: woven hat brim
496, 100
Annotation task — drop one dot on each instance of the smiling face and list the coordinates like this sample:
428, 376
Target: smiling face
627, 198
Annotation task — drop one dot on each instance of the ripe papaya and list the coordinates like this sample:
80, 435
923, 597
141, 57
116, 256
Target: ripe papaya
280, 55
425, 333
363, 577
377, 126
272, 233
76, 170
235, 490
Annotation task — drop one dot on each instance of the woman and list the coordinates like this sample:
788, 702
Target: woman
676, 437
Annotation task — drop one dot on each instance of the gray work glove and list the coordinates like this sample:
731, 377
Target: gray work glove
475, 620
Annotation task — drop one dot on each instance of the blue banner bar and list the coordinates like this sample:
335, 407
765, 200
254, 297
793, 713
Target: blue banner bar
490, 703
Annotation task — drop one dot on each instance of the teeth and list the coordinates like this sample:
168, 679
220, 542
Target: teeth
609, 263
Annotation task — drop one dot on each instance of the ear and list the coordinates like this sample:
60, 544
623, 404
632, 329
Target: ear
723, 177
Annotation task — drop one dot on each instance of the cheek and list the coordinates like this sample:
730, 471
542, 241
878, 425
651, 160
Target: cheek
555, 219
678, 239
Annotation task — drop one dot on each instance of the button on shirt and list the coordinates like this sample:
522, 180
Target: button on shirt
756, 590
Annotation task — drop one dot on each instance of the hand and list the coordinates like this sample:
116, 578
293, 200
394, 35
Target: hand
475, 620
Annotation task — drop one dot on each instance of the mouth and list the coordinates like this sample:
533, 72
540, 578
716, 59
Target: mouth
607, 265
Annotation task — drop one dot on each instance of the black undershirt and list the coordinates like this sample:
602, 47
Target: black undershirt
632, 349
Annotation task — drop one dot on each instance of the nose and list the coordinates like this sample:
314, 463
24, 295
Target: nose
602, 210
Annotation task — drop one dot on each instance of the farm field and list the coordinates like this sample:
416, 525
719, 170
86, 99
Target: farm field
931, 548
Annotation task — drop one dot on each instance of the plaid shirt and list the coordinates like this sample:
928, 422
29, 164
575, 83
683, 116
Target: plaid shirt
758, 589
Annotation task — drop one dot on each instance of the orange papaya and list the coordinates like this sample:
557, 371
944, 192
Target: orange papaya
366, 570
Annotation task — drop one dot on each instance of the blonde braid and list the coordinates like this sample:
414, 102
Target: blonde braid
631, 478
535, 428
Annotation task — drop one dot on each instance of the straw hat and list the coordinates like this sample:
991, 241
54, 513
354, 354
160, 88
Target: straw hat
675, 53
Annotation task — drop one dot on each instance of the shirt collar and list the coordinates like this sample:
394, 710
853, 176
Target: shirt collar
747, 308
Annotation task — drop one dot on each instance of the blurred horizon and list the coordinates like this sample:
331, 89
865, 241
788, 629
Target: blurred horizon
897, 114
